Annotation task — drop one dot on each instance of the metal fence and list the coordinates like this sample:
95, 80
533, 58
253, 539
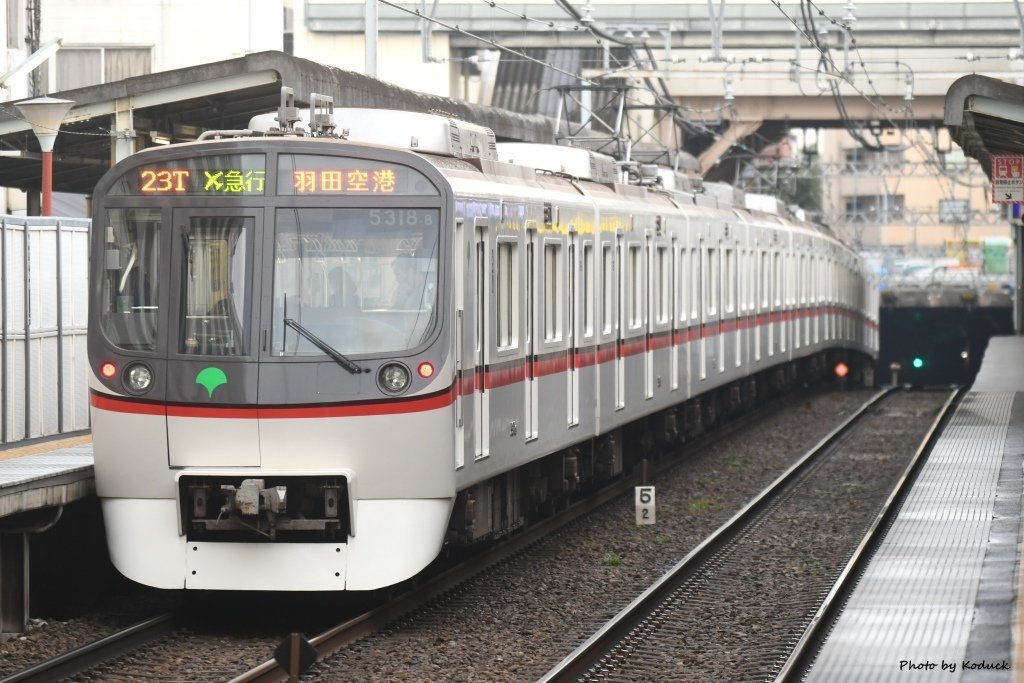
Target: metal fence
44, 363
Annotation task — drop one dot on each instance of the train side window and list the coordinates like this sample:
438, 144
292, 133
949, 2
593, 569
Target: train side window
713, 281
682, 284
552, 292
635, 284
588, 289
662, 277
695, 282
804, 284
507, 301
607, 288
778, 279
751, 274
741, 275
765, 280
791, 280
730, 280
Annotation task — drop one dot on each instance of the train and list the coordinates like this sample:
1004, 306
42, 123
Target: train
318, 356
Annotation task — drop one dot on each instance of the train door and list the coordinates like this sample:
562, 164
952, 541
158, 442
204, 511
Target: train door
648, 314
719, 283
212, 347
572, 348
481, 304
675, 301
702, 258
711, 321
761, 294
737, 295
459, 283
620, 361
778, 339
531, 414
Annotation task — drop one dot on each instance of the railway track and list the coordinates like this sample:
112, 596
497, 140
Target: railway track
338, 638
742, 597
197, 652
107, 648
354, 629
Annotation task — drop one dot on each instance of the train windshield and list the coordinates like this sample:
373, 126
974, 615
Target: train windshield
362, 280
129, 310
215, 296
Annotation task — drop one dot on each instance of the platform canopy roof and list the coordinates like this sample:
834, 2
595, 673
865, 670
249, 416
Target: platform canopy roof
985, 116
113, 119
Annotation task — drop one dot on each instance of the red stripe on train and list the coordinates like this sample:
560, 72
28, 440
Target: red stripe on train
413, 404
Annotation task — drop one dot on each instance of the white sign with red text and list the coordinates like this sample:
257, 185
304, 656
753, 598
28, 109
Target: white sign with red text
1007, 178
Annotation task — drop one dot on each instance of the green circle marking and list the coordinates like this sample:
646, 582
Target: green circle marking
211, 378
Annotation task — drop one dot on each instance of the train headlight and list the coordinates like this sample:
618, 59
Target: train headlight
393, 378
137, 378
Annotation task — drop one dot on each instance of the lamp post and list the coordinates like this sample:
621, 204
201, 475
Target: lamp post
45, 115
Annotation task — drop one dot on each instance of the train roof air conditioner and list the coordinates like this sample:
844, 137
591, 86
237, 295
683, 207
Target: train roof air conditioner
427, 133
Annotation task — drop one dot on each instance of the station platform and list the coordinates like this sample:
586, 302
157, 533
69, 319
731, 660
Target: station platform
45, 474
941, 598
36, 481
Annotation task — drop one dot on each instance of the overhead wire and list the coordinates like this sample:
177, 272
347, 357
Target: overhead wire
455, 28
911, 134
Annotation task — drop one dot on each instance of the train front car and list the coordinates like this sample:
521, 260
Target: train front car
271, 385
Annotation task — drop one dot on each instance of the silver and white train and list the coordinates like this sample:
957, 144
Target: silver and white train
316, 360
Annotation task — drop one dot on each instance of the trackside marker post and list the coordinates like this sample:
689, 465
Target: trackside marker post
644, 505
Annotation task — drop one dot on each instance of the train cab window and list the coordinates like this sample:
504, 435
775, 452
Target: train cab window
130, 281
215, 292
362, 280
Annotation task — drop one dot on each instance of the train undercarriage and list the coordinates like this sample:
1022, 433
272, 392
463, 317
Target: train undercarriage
502, 505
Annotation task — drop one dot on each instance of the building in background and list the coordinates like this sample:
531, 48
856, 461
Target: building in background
742, 73
912, 194
108, 40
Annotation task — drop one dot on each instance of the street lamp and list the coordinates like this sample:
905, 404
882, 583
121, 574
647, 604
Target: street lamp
45, 115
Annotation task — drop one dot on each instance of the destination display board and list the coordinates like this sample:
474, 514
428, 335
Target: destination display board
309, 174
215, 175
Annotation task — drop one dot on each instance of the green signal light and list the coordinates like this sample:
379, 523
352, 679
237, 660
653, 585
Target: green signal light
918, 363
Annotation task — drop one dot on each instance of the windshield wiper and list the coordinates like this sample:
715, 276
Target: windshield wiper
335, 355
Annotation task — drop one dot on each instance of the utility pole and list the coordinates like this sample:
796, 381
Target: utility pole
34, 17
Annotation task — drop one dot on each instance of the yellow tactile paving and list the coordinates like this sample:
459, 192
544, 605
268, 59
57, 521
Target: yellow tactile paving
44, 446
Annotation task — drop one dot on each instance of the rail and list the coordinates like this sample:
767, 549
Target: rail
617, 628
807, 647
85, 657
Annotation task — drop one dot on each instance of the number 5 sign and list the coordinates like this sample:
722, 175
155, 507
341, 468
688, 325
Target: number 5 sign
645, 505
